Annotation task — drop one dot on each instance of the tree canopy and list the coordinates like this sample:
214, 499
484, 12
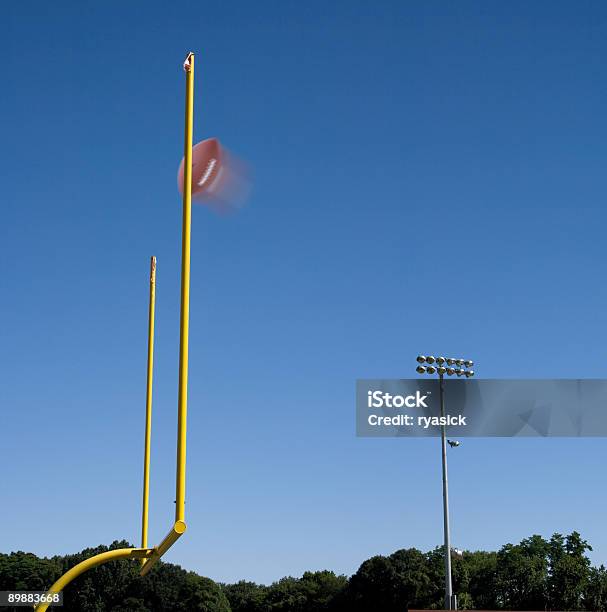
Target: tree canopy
535, 574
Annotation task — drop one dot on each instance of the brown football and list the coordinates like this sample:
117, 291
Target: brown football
207, 159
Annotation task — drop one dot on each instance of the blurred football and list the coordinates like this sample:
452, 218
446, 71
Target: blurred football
207, 160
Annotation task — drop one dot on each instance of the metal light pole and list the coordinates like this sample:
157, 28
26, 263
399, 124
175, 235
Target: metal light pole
441, 370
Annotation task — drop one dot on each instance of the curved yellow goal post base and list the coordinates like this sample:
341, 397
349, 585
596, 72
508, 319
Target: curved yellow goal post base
87, 564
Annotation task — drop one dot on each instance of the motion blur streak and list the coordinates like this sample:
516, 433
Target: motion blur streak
220, 180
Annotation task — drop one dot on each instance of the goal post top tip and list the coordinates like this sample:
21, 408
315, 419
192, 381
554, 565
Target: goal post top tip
187, 64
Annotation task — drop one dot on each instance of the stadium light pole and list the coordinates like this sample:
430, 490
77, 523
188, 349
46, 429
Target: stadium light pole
445, 366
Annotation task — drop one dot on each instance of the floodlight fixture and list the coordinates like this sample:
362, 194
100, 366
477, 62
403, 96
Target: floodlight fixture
421, 359
430, 359
420, 369
440, 360
441, 370
453, 443
469, 373
450, 371
459, 372
450, 361
468, 363
431, 370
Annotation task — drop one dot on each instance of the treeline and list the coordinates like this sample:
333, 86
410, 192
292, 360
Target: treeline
536, 574
114, 586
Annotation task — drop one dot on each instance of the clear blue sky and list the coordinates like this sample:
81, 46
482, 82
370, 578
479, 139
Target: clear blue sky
429, 177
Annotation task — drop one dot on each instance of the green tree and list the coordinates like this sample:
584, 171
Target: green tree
200, 594
522, 574
322, 589
25, 571
482, 589
391, 583
569, 571
460, 575
314, 591
131, 604
285, 594
246, 596
595, 595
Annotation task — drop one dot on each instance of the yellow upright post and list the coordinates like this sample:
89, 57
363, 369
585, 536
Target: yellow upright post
148, 407
179, 527
185, 291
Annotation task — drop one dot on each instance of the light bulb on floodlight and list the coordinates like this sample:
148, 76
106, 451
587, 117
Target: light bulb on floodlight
421, 359
430, 359
459, 372
459, 362
469, 373
450, 361
468, 363
420, 369
450, 371
431, 370
440, 360
441, 370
